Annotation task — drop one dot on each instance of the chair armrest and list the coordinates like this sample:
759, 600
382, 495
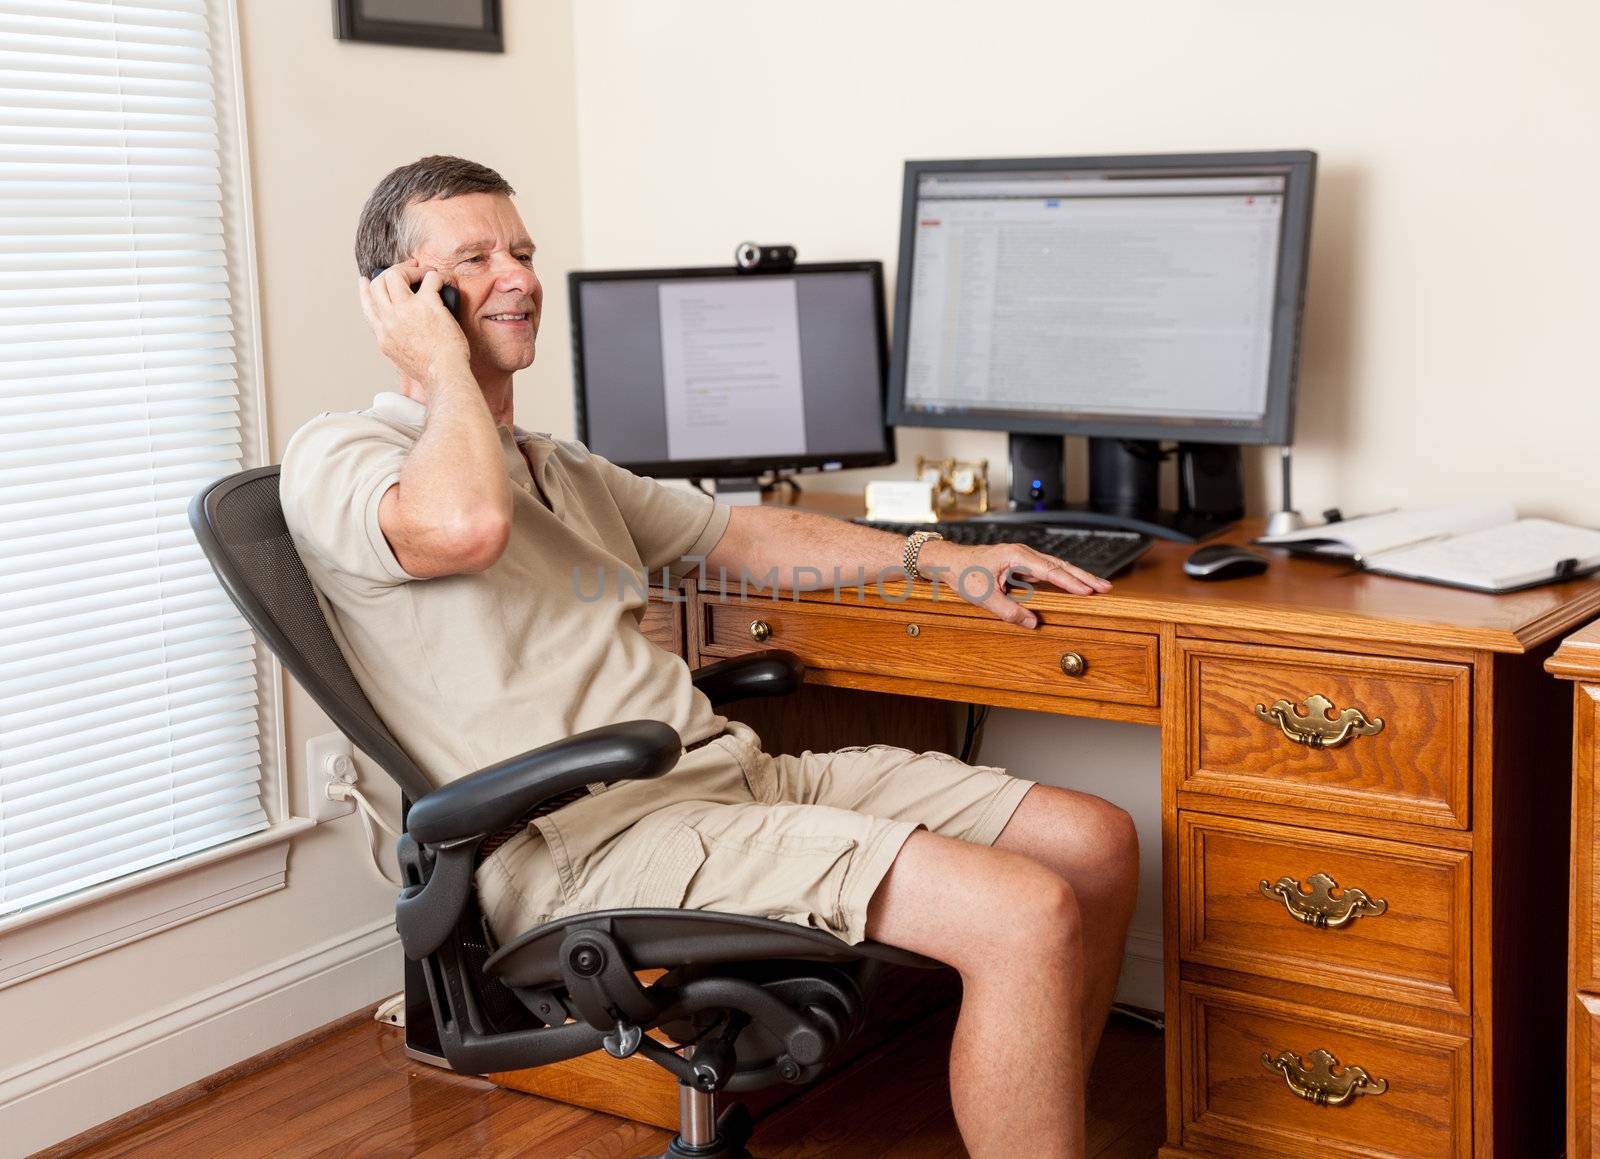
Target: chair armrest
492, 798
771, 673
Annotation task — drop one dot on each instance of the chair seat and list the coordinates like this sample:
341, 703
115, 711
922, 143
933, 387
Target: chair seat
666, 938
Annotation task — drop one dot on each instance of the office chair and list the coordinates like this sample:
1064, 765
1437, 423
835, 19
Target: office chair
751, 1002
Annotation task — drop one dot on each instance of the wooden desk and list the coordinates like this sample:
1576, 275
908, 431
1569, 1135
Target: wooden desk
1578, 660
1452, 818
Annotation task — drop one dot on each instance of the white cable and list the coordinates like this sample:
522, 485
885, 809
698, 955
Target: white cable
372, 848
392, 1011
367, 807
345, 791
1138, 1014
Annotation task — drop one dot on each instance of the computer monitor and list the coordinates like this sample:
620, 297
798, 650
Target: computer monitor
722, 374
1131, 299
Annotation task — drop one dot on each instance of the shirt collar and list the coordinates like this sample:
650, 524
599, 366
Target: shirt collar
407, 411
393, 405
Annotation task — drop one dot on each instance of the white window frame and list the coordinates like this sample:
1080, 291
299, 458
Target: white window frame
68, 929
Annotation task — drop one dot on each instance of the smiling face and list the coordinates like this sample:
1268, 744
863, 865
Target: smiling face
478, 242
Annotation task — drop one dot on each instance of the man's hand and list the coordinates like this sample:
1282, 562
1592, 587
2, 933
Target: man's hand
979, 575
414, 330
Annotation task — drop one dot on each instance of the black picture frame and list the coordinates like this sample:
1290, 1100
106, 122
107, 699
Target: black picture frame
350, 23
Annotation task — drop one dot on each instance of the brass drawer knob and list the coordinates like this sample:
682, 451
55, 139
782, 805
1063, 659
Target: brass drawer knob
1073, 663
1317, 727
1318, 907
913, 629
1316, 1082
760, 631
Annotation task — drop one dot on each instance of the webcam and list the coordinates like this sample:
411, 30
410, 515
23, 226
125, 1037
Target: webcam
753, 258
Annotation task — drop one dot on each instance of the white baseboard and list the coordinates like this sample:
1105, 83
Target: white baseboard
50, 1099
1141, 981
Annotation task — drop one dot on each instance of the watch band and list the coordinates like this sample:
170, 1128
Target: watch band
913, 551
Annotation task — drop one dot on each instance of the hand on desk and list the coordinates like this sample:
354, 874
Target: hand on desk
979, 575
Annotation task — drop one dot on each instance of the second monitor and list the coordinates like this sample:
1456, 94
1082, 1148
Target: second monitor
1130, 299
712, 373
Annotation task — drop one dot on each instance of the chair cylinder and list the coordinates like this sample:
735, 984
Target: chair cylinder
697, 1113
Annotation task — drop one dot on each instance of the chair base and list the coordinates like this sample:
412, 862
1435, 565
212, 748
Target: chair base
733, 1131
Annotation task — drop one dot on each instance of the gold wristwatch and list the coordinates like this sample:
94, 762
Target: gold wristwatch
913, 551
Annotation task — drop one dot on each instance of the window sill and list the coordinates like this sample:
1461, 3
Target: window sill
117, 912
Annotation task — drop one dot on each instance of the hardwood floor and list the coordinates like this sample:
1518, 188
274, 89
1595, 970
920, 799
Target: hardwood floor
356, 1094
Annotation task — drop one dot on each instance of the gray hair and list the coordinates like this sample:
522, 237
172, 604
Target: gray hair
384, 234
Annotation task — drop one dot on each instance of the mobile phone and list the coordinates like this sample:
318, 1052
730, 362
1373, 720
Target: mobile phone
448, 294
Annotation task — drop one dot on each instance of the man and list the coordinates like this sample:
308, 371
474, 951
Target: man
444, 542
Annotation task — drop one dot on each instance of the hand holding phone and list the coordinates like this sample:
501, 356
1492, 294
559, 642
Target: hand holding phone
448, 294
425, 346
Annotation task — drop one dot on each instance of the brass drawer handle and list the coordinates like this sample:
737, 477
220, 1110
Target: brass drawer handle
1315, 727
1319, 907
760, 630
1318, 1084
1073, 663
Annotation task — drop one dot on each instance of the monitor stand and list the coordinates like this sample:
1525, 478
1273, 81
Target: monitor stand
1124, 478
740, 492
749, 490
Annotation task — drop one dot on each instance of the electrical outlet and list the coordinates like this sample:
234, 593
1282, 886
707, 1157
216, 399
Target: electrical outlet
329, 758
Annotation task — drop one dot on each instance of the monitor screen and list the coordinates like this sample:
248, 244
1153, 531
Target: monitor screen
717, 374
1133, 297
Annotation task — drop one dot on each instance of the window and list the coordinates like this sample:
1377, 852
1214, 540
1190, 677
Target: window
132, 695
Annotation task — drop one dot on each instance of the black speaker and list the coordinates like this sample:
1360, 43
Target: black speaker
1211, 480
1038, 479
1125, 475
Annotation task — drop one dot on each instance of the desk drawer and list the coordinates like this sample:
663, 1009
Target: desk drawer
1410, 943
1235, 1104
1244, 701
1108, 666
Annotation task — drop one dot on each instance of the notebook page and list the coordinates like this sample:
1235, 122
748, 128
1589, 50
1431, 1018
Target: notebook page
1497, 557
1369, 534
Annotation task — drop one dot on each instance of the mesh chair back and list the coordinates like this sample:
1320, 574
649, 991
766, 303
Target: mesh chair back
239, 523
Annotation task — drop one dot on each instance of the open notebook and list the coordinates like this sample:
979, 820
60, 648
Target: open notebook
1482, 546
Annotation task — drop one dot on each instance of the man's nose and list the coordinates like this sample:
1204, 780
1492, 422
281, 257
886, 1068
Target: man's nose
513, 276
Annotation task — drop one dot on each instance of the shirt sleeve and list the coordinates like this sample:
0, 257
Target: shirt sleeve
670, 528
335, 471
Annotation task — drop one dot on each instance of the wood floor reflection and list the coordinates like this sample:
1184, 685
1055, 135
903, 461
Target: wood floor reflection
356, 1094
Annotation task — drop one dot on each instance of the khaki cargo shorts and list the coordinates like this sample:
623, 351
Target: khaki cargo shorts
803, 839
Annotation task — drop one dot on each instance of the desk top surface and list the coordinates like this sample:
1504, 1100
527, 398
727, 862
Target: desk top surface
1300, 595
1579, 655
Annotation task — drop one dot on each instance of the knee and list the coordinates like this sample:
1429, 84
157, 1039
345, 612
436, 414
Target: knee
1038, 916
1117, 843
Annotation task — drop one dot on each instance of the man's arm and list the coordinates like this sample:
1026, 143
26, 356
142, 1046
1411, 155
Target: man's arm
451, 510
761, 541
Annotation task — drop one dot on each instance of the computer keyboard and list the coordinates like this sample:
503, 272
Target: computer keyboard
1102, 552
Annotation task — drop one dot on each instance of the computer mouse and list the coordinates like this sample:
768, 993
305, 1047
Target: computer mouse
1220, 561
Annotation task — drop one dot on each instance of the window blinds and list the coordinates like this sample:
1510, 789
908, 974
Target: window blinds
128, 722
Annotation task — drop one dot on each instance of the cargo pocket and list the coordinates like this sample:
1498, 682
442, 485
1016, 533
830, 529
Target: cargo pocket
665, 878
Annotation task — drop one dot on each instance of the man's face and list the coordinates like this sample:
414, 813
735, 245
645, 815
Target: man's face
478, 242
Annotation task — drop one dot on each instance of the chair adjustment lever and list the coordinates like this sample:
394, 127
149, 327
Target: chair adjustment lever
714, 1056
623, 1041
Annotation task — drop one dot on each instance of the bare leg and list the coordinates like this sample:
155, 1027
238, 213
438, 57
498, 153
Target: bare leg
1010, 926
1093, 844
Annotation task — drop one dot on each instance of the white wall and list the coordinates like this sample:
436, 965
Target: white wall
326, 120
1452, 293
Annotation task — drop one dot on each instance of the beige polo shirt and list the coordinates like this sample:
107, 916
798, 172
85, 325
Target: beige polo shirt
467, 670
